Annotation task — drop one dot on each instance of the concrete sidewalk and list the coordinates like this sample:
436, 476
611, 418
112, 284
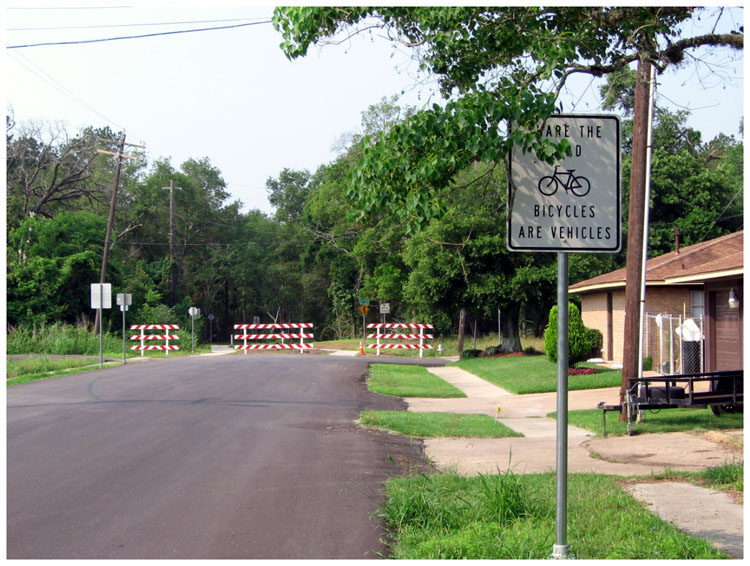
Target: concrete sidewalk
536, 451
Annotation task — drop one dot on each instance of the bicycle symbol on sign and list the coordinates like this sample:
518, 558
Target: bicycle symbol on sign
578, 185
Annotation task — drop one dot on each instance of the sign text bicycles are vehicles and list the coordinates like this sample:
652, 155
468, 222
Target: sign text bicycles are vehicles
574, 204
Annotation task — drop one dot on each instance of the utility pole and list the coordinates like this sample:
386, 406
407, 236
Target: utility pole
171, 189
634, 255
112, 203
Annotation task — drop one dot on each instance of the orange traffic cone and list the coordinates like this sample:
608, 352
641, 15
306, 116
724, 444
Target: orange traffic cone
361, 349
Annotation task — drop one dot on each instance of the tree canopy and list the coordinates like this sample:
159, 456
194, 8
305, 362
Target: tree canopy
500, 70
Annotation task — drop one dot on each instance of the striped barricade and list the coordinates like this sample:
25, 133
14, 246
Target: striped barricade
389, 336
166, 347
301, 345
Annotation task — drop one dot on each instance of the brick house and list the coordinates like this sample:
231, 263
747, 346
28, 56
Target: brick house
702, 282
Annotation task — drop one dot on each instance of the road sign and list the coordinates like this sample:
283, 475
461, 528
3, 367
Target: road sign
385, 308
572, 205
364, 309
193, 311
101, 295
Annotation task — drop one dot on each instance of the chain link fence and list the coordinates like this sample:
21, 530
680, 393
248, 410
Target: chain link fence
675, 344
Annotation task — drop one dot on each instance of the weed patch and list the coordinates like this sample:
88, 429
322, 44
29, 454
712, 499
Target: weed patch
506, 516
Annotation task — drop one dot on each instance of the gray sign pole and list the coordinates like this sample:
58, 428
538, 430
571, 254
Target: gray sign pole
560, 549
101, 342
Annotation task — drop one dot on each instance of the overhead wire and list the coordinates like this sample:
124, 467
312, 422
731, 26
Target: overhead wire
144, 24
54, 83
142, 36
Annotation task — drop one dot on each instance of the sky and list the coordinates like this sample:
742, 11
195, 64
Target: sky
232, 96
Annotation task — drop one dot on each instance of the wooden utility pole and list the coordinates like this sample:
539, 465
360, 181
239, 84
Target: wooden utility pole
171, 189
634, 255
112, 204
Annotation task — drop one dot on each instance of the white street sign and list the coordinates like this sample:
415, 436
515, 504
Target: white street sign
194, 311
572, 205
385, 308
101, 295
124, 299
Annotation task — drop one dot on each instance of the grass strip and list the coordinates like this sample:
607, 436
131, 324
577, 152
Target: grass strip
26, 378
534, 374
436, 425
508, 516
665, 420
17, 367
409, 381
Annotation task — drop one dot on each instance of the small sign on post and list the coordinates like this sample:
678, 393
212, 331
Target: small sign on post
101, 298
193, 312
124, 299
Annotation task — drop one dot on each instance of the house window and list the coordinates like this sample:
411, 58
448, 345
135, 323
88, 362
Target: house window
697, 304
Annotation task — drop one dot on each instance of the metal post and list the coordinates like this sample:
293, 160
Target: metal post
123, 307
101, 342
560, 549
192, 329
421, 341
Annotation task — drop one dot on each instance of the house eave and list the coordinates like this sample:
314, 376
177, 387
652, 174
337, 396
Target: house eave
700, 277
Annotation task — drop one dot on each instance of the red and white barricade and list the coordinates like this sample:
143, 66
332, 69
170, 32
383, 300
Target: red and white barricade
401, 346
166, 347
301, 345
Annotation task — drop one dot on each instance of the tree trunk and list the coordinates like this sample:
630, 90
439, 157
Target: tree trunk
461, 324
511, 339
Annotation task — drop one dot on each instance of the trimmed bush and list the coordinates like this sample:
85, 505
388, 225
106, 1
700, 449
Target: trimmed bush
582, 341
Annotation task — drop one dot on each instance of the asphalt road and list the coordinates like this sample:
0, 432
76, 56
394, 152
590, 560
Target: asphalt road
201, 457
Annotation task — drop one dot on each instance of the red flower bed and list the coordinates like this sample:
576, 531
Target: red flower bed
582, 371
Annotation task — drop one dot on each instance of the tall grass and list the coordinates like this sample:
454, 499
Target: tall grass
507, 516
61, 339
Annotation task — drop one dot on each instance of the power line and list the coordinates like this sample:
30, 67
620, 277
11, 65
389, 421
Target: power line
146, 24
54, 83
83, 41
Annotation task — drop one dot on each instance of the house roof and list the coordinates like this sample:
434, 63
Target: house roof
721, 257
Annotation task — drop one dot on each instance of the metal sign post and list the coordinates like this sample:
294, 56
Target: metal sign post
572, 205
124, 299
560, 549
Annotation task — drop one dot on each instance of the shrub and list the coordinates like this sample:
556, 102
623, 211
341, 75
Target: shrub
492, 350
582, 341
466, 354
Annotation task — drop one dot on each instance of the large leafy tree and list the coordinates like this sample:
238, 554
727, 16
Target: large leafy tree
495, 66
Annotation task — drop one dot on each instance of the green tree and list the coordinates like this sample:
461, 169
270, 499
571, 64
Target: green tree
50, 264
494, 67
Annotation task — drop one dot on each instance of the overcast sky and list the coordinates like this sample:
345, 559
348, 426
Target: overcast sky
231, 95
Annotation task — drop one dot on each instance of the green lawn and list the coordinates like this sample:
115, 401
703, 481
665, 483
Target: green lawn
665, 420
509, 516
436, 425
409, 381
534, 374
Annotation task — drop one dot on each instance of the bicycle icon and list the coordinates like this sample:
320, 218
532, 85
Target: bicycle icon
578, 185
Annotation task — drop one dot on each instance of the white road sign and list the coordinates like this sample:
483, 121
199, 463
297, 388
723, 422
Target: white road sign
101, 295
572, 205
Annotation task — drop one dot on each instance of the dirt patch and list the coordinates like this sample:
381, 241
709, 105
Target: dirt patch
729, 439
